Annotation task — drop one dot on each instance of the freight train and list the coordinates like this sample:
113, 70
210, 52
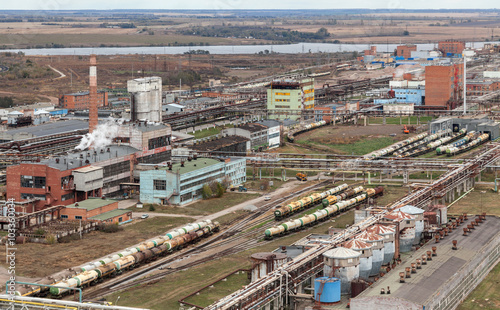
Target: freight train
426, 140
91, 273
445, 140
391, 149
442, 149
290, 136
464, 148
320, 215
305, 202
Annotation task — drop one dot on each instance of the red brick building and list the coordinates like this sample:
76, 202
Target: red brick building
479, 88
405, 50
443, 86
80, 101
451, 47
95, 209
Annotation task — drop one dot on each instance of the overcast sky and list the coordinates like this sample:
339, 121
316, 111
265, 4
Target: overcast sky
246, 4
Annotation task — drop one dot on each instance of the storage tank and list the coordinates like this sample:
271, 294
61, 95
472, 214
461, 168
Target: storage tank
419, 221
377, 243
388, 232
406, 229
327, 290
366, 258
345, 262
266, 262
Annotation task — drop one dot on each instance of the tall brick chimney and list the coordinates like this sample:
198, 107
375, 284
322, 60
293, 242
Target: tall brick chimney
93, 93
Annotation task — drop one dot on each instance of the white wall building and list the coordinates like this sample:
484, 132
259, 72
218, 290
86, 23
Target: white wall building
146, 98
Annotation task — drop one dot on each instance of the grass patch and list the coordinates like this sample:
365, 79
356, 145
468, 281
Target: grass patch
481, 199
202, 207
355, 146
206, 132
232, 217
487, 295
221, 289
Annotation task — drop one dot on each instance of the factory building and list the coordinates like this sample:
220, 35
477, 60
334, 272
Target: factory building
63, 180
81, 100
146, 98
451, 48
262, 135
181, 183
444, 86
96, 209
405, 50
290, 95
405, 95
480, 124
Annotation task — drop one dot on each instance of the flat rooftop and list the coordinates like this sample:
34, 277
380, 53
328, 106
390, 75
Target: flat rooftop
91, 203
192, 165
422, 287
51, 128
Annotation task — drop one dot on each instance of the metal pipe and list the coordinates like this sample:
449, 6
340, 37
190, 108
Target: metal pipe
65, 303
44, 285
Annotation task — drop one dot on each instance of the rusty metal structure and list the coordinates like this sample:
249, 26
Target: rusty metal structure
276, 287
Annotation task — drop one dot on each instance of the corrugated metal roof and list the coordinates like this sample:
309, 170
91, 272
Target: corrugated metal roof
399, 216
341, 253
381, 229
109, 215
369, 236
357, 244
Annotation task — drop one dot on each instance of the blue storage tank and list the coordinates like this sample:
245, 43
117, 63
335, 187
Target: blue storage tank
327, 290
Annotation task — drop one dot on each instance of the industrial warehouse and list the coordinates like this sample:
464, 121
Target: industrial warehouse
368, 180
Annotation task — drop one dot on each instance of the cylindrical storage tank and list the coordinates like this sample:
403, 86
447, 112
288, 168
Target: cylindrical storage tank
388, 232
346, 263
366, 258
419, 221
377, 243
406, 238
266, 262
327, 290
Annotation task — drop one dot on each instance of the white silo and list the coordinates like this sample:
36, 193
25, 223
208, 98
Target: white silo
377, 243
146, 97
388, 232
344, 264
419, 220
366, 258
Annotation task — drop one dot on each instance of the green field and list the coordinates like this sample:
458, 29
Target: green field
487, 295
360, 147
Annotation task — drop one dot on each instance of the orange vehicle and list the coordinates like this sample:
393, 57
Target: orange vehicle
406, 130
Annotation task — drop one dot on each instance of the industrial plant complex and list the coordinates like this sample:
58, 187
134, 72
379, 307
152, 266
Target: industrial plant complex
346, 184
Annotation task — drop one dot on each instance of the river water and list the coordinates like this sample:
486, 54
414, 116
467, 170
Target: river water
224, 49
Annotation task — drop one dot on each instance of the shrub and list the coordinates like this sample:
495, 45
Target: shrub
206, 191
110, 228
51, 239
40, 232
152, 208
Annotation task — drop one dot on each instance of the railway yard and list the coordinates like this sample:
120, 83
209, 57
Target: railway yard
353, 198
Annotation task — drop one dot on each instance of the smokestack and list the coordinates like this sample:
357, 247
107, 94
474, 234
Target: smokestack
93, 93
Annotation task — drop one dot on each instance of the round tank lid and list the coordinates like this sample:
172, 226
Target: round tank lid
357, 244
341, 253
268, 256
411, 210
382, 229
368, 236
326, 279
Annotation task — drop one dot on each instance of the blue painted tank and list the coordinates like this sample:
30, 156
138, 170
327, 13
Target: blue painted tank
327, 290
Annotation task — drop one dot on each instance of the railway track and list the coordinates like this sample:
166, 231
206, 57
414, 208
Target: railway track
240, 233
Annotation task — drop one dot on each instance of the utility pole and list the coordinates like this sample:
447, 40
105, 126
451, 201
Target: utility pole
465, 84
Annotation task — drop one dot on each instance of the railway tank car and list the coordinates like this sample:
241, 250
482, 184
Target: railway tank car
463, 148
290, 136
320, 215
305, 202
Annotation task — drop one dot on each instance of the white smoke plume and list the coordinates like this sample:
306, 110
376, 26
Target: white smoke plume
101, 136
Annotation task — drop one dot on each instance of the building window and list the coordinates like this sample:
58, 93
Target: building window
32, 182
78, 217
64, 216
67, 197
154, 143
160, 185
32, 196
120, 219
